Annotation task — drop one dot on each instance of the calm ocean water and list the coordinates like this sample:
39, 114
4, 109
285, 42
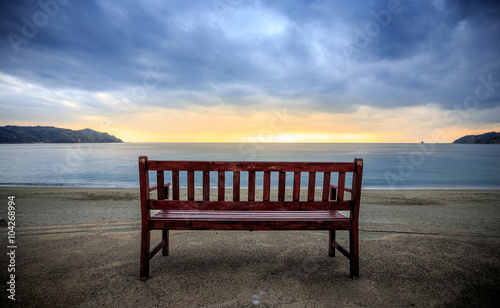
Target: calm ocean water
400, 166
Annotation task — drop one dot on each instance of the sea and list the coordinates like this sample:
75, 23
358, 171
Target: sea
386, 166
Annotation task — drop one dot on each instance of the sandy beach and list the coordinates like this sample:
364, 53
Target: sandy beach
79, 247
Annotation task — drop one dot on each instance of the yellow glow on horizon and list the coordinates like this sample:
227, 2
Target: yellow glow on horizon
219, 124
312, 137
266, 124
132, 136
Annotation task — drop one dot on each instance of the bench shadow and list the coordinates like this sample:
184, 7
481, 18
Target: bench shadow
252, 257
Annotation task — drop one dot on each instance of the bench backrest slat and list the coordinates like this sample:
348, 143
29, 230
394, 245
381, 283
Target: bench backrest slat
296, 186
266, 186
281, 186
341, 186
251, 185
190, 185
175, 185
311, 188
160, 182
221, 188
236, 185
326, 186
331, 195
206, 185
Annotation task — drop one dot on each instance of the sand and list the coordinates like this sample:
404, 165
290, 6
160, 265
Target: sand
79, 247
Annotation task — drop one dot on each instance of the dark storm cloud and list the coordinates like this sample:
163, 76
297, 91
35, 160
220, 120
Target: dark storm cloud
330, 55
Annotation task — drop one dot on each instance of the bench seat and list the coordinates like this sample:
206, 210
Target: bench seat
249, 220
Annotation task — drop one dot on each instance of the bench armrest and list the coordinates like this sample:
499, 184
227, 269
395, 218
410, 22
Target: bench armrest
337, 194
162, 193
155, 187
347, 188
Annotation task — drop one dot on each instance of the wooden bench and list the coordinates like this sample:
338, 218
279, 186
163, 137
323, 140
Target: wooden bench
191, 213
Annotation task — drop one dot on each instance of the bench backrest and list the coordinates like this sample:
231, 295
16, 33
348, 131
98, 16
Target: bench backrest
233, 169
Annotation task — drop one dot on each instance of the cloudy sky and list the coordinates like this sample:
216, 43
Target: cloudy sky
253, 70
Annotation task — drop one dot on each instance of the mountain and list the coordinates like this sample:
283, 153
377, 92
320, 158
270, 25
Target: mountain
49, 134
484, 138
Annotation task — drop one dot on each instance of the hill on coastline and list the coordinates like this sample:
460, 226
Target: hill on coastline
50, 134
491, 137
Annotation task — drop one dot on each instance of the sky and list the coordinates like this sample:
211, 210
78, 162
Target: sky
252, 70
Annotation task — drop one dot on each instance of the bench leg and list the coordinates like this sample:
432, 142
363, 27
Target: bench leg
354, 253
145, 243
331, 240
164, 250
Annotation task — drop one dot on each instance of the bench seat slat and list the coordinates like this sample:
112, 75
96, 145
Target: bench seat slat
249, 220
251, 215
248, 225
249, 205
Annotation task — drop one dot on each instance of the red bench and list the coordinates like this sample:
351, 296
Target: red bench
192, 213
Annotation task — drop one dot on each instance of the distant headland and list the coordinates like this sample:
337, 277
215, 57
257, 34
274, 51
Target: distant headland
50, 134
488, 138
